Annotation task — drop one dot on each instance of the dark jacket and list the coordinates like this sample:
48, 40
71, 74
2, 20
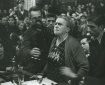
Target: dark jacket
7, 44
34, 37
97, 58
75, 58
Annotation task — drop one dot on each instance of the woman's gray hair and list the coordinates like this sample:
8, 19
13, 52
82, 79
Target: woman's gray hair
67, 19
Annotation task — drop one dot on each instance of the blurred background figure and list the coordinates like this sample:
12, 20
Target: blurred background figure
21, 13
1, 55
45, 10
82, 26
21, 27
85, 45
5, 13
27, 22
1, 14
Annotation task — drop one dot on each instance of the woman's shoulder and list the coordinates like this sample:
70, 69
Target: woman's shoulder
73, 39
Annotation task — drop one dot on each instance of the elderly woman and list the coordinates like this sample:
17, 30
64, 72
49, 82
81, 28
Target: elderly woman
66, 59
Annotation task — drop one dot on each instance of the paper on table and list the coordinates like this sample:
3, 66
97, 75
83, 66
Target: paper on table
7, 83
45, 81
48, 81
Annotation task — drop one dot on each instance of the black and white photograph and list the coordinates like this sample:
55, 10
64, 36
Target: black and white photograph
52, 42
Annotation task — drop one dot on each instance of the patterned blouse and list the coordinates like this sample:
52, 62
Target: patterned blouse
56, 60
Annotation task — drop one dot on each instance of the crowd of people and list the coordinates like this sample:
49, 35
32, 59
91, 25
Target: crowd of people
64, 46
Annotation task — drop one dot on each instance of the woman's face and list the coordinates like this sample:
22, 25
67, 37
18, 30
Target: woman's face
26, 20
83, 19
21, 26
60, 27
11, 21
5, 21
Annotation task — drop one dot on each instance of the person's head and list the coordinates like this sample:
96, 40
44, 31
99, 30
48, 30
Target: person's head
79, 6
27, 20
69, 7
102, 4
15, 9
82, 6
92, 10
90, 3
85, 44
10, 10
12, 20
35, 14
74, 15
46, 7
73, 21
62, 25
4, 20
83, 18
85, 13
79, 10
92, 6
21, 25
44, 21
21, 5
50, 19
96, 25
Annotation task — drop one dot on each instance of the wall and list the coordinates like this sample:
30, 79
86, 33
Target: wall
29, 3
6, 4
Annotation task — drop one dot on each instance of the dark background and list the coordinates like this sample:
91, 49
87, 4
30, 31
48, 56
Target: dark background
7, 4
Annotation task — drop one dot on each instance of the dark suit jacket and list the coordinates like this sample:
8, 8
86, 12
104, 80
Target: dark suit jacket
34, 37
8, 46
97, 58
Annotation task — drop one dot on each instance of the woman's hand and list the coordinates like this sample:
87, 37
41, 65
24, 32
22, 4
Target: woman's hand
66, 71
